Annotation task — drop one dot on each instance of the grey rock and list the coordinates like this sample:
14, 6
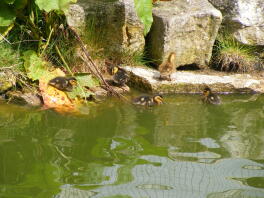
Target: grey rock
17, 97
7, 80
188, 28
115, 22
244, 19
194, 82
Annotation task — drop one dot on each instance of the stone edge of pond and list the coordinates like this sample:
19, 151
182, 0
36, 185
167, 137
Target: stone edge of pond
192, 82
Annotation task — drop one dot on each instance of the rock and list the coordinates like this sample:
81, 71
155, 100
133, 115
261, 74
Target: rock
188, 28
244, 19
7, 80
115, 21
20, 98
194, 82
101, 93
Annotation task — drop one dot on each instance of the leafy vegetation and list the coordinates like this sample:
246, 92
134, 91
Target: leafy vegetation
144, 11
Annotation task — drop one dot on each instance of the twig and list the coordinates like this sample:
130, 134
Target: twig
63, 60
46, 45
97, 73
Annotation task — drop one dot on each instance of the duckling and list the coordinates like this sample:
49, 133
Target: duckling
167, 67
209, 97
63, 83
148, 100
120, 76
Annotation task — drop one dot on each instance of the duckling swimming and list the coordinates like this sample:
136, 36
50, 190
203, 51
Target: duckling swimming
148, 100
63, 83
120, 76
167, 67
209, 97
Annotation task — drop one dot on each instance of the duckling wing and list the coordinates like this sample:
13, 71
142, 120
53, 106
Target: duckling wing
142, 100
121, 77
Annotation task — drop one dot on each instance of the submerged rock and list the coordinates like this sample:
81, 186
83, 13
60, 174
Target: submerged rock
244, 18
17, 97
188, 28
114, 24
7, 80
193, 82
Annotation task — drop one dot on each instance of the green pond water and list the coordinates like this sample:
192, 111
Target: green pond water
182, 149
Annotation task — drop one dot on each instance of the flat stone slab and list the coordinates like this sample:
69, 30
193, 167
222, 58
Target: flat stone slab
194, 81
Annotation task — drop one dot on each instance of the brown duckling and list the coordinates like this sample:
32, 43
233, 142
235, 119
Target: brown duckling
120, 76
209, 97
148, 100
167, 67
63, 83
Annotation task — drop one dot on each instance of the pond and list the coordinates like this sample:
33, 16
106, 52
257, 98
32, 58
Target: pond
182, 149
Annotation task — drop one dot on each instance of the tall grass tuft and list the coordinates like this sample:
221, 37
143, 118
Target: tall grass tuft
231, 56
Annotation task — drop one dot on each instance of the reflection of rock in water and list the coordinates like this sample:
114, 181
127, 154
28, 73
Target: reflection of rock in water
175, 179
244, 134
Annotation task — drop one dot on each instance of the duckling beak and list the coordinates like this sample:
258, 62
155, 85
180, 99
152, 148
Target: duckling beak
73, 82
158, 100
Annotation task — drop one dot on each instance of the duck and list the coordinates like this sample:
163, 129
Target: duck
209, 97
167, 67
63, 83
148, 100
120, 76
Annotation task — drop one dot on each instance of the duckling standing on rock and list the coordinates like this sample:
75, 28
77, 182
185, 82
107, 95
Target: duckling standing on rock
148, 100
63, 83
209, 97
167, 67
120, 76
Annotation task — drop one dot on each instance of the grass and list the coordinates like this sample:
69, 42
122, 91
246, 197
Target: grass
9, 57
231, 56
95, 34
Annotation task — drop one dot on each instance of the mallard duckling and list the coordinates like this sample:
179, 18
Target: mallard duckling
148, 100
167, 67
120, 76
209, 97
63, 83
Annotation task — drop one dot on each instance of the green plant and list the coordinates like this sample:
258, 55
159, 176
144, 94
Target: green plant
144, 12
230, 55
9, 58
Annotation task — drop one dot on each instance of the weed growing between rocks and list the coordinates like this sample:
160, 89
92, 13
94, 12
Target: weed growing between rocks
231, 56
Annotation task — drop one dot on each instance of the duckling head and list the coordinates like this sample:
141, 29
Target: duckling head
206, 91
172, 57
158, 99
114, 70
72, 81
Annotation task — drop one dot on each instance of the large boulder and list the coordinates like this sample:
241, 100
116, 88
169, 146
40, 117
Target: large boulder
188, 28
115, 24
244, 19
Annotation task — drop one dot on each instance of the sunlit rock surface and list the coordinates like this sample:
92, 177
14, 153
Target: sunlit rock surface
7, 80
194, 82
115, 23
188, 28
245, 18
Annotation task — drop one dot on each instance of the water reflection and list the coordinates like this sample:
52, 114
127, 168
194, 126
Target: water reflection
181, 149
